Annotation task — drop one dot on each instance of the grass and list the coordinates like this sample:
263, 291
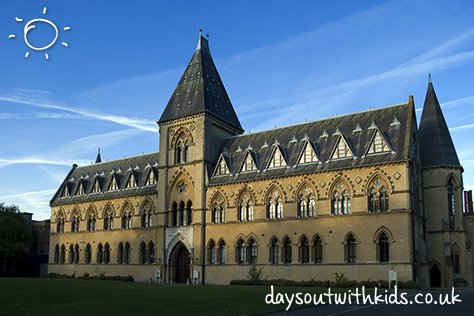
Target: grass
70, 297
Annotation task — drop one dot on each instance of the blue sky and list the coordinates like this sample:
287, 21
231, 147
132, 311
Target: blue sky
281, 63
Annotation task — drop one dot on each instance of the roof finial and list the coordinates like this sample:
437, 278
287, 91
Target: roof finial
200, 32
429, 77
207, 36
98, 158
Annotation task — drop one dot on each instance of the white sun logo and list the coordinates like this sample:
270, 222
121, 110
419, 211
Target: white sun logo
30, 25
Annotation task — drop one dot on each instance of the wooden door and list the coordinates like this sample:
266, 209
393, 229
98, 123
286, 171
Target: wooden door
182, 266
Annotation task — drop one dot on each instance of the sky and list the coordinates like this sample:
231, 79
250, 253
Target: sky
108, 78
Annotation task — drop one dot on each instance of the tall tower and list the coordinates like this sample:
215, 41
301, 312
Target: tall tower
199, 115
442, 191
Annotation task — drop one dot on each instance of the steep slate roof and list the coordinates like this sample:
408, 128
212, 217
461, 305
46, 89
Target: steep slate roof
140, 166
436, 145
357, 128
201, 90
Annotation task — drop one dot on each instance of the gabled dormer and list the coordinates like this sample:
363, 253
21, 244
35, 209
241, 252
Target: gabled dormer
250, 162
82, 187
114, 182
150, 175
132, 180
223, 166
342, 149
97, 185
378, 143
278, 158
308, 154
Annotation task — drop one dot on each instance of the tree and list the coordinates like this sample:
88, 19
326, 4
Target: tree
15, 235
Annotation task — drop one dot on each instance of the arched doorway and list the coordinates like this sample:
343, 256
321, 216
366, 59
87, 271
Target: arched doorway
435, 276
181, 264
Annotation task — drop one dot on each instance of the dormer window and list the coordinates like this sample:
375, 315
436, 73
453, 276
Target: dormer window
132, 182
151, 178
96, 187
249, 163
342, 149
113, 184
222, 168
308, 154
277, 160
378, 144
80, 190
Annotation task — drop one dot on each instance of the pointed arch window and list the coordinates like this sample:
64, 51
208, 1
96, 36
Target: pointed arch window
212, 253
383, 248
341, 201
127, 253
76, 254
253, 251
62, 257
76, 219
151, 252
100, 254
275, 206
174, 214
378, 196
182, 149
71, 253
218, 211
287, 247
350, 249
147, 215
56, 254
246, 208
108, 219
306, 203
88, 254
60, 223
142, 254
106, 253
241, 252
304, 250
318, 249
222, 252
274, 251
91, 221
120, 254
127, 218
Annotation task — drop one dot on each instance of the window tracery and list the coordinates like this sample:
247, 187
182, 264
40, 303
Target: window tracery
341, 201
378, 196
306, 203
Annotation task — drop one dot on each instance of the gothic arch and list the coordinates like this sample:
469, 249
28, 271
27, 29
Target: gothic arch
305, 182
340, 179
181, 175
274, 186
61, 214
75, 211
215, 196
380, 230
451, 176
304, 236
178, 238
372, 178
90, 209
143, 203
354, 235
245, 188
107, 206
123, 208
178, 133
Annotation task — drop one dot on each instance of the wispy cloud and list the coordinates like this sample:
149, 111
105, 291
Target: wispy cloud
29, 97
39, 161
31, 202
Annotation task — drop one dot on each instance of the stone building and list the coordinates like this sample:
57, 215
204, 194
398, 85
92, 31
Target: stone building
359, 194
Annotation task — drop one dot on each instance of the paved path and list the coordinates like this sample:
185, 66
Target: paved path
466, 307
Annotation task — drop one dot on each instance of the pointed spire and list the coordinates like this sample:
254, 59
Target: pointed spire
98, 159
436, 145
200, 90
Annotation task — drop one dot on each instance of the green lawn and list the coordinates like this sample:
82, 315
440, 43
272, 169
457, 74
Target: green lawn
84, 297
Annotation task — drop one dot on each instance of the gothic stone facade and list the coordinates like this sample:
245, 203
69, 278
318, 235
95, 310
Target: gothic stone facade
359, 194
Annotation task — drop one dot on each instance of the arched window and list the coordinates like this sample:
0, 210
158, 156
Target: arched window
127, 253
87, 254
108, 219
306, 203
287, 250
75, 220
318, 250
384, 250
186, 151
91, 221
127, 217
182, 149
174, 213
378, 196
451, 206
304, 250
106, 253
341, 201
222, 252
181, 214
275, 206
350, 249
100, 254
189, 212
60, 223
179, 153
246, 208
253, 251
218, 212
146, 216
241, 252
151, 252
274, 251
212, 252
120, 254
62, 258
76, 254
56, 254
71, 253
142, 252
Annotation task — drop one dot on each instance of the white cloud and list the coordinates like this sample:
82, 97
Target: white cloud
31, 202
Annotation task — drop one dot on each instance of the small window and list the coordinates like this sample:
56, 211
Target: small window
342, 149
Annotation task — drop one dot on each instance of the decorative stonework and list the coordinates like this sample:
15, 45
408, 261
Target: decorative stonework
231, 193
397, 175
192, 127
259, 191
358, 180
172, 132
322, 184
289, 187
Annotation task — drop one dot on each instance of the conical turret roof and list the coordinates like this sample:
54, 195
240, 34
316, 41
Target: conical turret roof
437, 147
201, 90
